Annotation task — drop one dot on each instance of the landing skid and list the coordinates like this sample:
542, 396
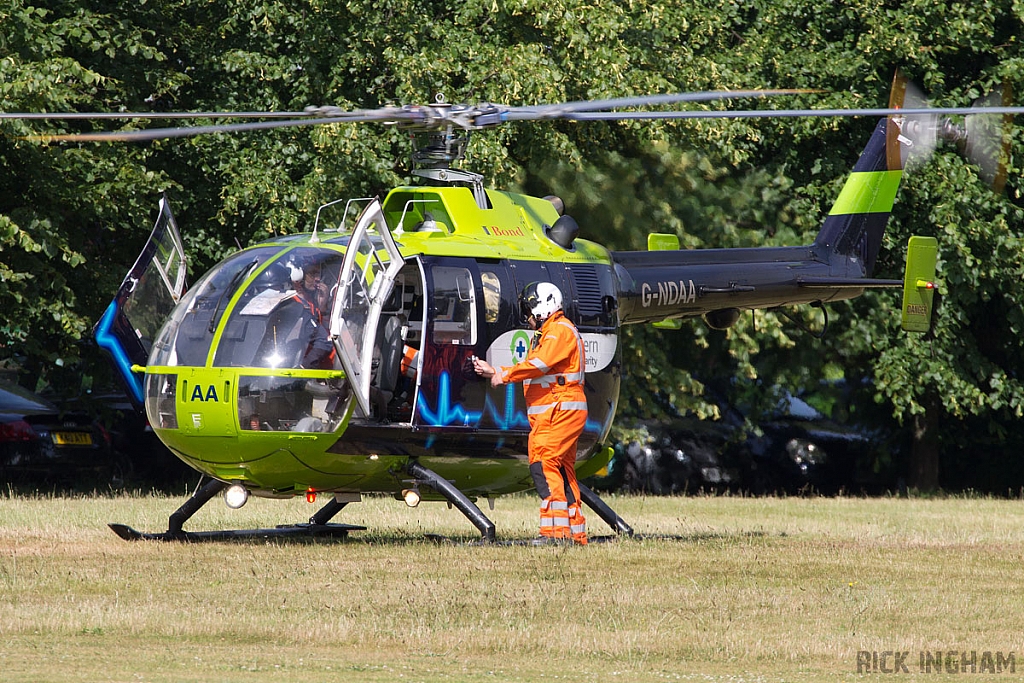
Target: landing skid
521, 542
317, 527
284, 531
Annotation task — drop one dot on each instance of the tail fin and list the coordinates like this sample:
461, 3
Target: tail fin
857, 221
919, 284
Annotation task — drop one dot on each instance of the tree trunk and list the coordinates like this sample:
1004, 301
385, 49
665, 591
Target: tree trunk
923, 473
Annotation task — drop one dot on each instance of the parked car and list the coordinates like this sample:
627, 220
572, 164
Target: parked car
802, 449
790, 449
42, 444
678, 457
134, 442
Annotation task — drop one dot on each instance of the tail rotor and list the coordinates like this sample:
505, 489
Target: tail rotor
986, 138
917, 134
983, 138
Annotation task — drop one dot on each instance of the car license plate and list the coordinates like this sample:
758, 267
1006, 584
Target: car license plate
72, 438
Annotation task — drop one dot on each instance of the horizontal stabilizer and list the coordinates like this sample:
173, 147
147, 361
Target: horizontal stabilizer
919, 283
657, 241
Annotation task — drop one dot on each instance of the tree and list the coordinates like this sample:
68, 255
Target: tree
65, 211
73, 215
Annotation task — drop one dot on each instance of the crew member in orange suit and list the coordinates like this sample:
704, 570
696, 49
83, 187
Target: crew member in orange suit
552, 377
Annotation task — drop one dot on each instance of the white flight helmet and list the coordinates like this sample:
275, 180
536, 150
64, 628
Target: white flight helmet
540, 299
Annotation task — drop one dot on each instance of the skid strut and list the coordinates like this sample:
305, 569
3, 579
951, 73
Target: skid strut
318, 524
327, 512
455, 497
604, 512
191, 506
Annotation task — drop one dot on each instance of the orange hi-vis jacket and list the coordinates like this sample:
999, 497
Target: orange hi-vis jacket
410, 362
552, 373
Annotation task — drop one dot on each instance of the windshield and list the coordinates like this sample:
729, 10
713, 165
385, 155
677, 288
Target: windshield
187, 336
281, 320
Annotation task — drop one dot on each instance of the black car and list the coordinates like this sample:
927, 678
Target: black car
41, 444
145, 459
800, 449
790, 449
678, 457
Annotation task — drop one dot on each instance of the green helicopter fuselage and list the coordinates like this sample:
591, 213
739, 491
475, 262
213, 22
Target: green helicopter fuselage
329, 361
232, 388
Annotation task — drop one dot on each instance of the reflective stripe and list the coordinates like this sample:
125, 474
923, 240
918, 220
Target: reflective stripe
557, 505
578, 528
539, 364
561, 405
568, 324
555, 522
578, 376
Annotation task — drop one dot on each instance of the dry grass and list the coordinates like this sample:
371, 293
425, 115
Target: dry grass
747, 589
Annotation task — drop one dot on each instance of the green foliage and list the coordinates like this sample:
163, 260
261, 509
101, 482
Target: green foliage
72, 216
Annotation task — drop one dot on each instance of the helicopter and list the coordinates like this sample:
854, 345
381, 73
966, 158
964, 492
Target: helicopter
338, 363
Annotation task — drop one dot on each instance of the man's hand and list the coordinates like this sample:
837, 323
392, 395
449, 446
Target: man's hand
484, 369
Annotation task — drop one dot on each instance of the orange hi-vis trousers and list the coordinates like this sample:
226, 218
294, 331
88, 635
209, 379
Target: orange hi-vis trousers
552, 465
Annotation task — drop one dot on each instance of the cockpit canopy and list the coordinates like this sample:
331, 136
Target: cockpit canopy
265, 307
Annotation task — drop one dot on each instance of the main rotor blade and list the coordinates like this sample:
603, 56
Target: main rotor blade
549, 111
153, 115
393, 116
335, 112
422, 117
784, 113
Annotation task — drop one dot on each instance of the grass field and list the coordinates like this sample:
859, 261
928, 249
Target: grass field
741, 590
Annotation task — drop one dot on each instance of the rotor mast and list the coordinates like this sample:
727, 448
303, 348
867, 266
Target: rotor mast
436, 148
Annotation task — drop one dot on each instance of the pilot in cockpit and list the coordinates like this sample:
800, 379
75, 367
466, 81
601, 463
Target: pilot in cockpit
313, 295
297, 331
310, 290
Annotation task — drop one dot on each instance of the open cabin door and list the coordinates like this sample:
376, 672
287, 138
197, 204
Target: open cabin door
367, 276
144, 301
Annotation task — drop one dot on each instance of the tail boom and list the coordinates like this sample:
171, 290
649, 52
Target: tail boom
671, 283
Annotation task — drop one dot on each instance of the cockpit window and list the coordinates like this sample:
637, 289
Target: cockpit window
187, 336
282, 318
492, 295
